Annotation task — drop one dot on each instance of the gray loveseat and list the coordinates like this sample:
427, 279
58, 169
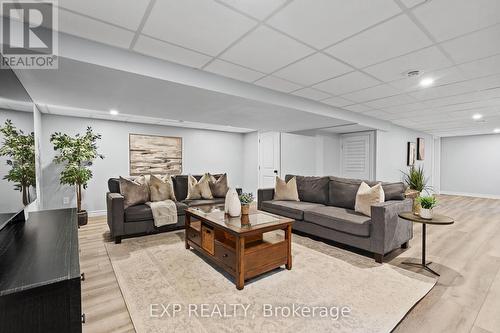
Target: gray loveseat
138, 220
326, 210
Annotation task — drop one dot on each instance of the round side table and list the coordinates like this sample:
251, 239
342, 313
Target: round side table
437, 219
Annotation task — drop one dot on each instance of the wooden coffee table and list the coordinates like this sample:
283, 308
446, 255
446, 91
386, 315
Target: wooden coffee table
236, 244
437, 219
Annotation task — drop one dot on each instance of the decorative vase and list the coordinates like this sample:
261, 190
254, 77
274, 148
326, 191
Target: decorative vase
426, 213
416, 205
232, 206
245, 220
245, 209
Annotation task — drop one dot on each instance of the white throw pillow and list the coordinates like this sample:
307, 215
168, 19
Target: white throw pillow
286, 191
199, 189
368, 196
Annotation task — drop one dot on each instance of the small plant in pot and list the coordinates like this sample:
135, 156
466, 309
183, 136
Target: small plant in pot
246, 199
77, 155
415, 180
427, 203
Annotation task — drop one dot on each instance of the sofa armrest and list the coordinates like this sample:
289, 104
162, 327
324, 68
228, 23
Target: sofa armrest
388, 230
264, 194
116, 213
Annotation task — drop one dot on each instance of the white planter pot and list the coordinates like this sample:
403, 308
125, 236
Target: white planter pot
232, 205
426, 213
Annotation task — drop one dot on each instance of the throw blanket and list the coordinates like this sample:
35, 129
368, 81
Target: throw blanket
164, 212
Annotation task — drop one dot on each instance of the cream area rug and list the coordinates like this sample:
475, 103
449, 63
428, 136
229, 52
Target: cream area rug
170, 289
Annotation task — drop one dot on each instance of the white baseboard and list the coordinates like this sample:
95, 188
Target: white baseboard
95, 213
477, 195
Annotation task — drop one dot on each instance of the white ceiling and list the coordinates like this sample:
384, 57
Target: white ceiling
350, 54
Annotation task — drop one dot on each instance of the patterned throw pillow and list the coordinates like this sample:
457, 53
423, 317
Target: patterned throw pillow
135, 192
219, 186
286, 191
199, 189
368, 196
161, 188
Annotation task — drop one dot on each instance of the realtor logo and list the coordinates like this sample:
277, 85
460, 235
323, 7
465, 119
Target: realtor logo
29, 38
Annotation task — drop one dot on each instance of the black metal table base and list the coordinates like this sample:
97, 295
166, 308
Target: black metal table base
424, 264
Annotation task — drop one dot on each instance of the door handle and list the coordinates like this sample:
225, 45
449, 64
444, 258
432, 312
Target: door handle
275, 172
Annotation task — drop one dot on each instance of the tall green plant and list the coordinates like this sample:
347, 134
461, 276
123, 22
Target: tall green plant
415, 179
77, 154
20, 151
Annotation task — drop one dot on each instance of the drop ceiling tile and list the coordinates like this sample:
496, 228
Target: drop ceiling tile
446, 19
440, 77
372, 93
482, 67
378, 114
255, 8
337, 101
406, 108
390, 101
266, 50
165, 51
313, 69
125, 13
474, 46
412, 3
442, 91
484, 83
276, 83
196, 24
425, 60
225, 68
84, 27
347, 83
311, 94
463, 98
323, 22
387, 40
357, 108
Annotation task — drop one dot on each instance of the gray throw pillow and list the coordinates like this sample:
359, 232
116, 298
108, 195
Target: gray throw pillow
394, 191
219, 186
134, 192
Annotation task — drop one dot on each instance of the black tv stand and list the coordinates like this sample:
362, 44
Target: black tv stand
40, 287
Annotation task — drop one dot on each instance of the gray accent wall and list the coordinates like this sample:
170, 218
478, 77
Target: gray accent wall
203, 151
470, 165
391, 149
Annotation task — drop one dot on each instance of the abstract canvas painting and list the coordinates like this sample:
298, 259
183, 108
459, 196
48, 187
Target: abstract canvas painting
412, 151
420, 149
154, 154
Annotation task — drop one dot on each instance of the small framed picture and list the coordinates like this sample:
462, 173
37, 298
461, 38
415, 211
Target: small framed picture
412, 151
420, 149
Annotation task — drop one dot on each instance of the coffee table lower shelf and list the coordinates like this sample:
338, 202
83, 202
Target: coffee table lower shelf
243, 256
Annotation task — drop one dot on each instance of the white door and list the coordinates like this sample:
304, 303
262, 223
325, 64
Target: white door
269, 158
358, 155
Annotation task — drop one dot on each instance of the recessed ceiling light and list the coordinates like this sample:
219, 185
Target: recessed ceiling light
477, 116
113, 112
496, 130
426, 82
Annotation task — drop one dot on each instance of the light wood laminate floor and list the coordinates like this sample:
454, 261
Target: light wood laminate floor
466, 254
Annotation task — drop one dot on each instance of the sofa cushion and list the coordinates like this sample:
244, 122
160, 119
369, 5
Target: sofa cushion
394, 191
135, 191
199, 189
218, 186
114, 185
200, 202
292, 209
312, 189
342, 192
181, 185
143, 212
340, 219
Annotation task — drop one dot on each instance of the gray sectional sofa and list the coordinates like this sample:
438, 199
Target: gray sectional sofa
326, 210
138, 220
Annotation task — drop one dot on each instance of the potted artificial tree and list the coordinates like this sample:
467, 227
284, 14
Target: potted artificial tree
77, 154
415, 180
20, 151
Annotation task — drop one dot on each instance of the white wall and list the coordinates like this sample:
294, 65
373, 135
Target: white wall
251, 162
203, 151
391, 151
470, 165
298, 154
11, 200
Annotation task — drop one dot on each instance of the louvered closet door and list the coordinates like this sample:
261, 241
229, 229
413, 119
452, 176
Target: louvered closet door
357, 161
